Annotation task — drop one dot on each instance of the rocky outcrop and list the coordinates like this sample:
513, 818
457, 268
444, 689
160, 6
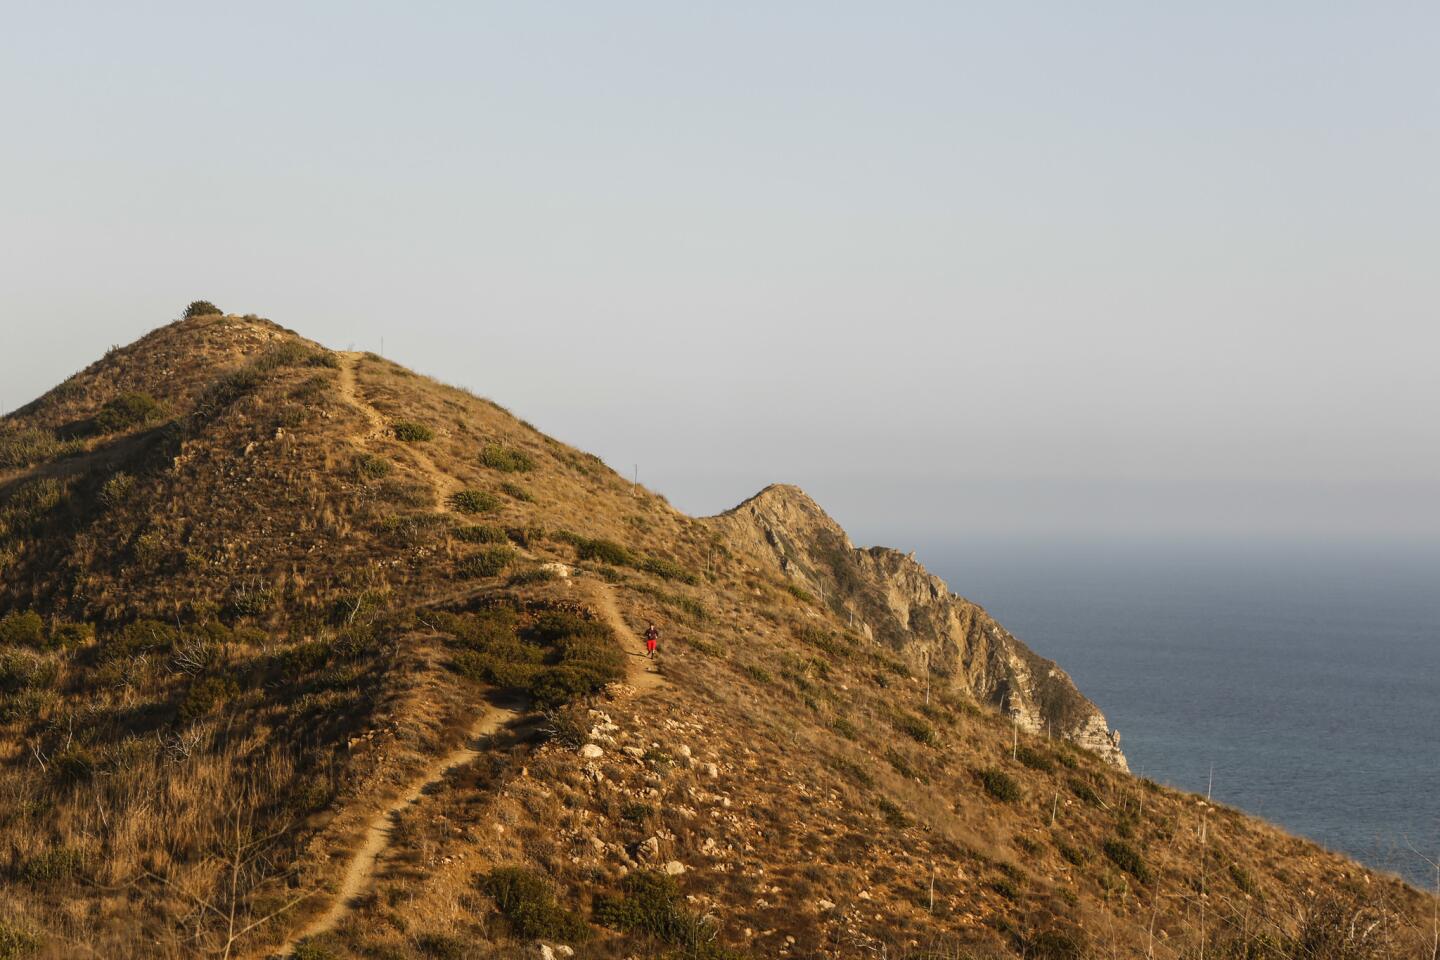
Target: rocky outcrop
892, 599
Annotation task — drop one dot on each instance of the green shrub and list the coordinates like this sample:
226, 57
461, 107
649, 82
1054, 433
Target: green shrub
408, 431
916, 728
1033, 759
517, 492
201, 308
482, 533
1083, 790
506, 459
1058, 945
21, 670
999, 785
324, 358
650, 904
441, 946
531, 575
22, 628
116, 490
668, 570
405, 493
226, 390
54, 866
1244, 882
204, 695
1071, 854
845, 728
490, 562
894, 816
1128, 859
605, 551
527, 902
16, 943
902, 766
20, 447
370, 467
759, 674
310, 950
474, 501
124, 412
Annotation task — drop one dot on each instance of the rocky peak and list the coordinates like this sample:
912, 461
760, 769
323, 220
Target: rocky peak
890, 598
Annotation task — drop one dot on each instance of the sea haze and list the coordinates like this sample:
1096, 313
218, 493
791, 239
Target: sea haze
1306, 677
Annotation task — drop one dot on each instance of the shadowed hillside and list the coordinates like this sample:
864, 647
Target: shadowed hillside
304, 653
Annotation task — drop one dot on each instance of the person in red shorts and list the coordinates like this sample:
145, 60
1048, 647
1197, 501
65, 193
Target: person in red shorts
652, 639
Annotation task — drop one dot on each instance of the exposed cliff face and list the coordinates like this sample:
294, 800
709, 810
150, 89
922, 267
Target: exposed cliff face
892, 599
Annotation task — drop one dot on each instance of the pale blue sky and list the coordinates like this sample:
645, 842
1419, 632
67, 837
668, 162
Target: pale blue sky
992, 270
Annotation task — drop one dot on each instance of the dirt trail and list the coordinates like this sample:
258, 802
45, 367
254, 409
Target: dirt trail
444, 484
641, 672
364, 862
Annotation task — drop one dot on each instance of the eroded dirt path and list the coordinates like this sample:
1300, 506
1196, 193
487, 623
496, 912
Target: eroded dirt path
641, 672
364, 863
379, 429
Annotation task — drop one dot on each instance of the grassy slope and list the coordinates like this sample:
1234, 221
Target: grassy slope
288, 537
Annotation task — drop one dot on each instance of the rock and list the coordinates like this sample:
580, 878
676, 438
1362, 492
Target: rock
684, 751
546, 953
564, 951
635, 752
592, 751
711, 770
649, 849
824, 906
558, 569
674, 868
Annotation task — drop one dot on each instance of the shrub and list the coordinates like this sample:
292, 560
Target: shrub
999, 785
892, 813
1058, 945
490, 562
405, 493
517, 492
117, 490
1126, 858
324, 358
845, 728
204, 695
1083, 790
24, 446
506, 459
605, 551
408, 431
650, 904
1071, 854
482, 533
531, 575
125, 411
16, 943
56, 865
527, 902
201, 308
668, 570
915, 728
370, 467
1034, 759
902, 766
22, 628
441, 946
309, 950
474, 501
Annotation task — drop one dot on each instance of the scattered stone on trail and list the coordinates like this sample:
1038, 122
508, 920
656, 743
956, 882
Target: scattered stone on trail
592, 751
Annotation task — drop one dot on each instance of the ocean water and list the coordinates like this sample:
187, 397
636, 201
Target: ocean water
1306, 678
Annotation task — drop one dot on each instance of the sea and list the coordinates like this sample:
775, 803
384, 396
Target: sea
1300, 683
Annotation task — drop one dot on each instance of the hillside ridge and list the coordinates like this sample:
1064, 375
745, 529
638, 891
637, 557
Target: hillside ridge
257, 595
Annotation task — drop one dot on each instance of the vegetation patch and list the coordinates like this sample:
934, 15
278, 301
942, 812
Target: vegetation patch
527, 902
490, 562
506, 459
482, 533
1034, 759
516, 492
474, 501
650, 904
201, 308
408, 431
557, 657
125, 412
999, 785
1128, 859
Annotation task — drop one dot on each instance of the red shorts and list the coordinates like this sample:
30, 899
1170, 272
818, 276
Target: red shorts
650, 645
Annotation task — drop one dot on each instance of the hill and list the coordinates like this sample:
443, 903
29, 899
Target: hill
303, 653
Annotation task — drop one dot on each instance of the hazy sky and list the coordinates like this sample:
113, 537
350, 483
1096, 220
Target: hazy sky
1125, 269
